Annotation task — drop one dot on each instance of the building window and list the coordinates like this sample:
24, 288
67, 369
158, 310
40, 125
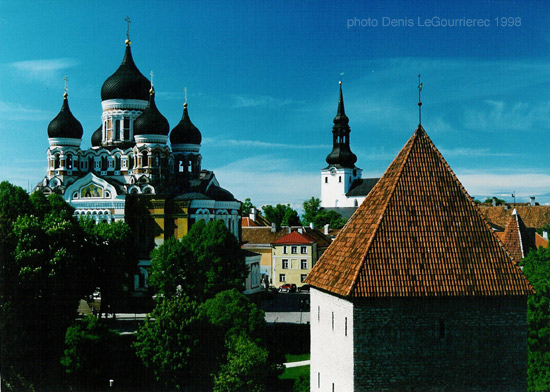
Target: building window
294, 250
318, 380
303, 264
303, 250
318, 313
332, 387
333, 321
282, 278
339, 178
303, 278
285, 263
346, 326
326, 180
285, 250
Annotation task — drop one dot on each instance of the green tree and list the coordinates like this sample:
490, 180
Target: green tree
314, 213
536, 267
499, 202
111, 259
88, 348
246, 369
169, 343
281, 215
42, 280
205, 262
247, 206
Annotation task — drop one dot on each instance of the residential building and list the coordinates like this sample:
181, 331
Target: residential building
259, 239
416, 292
293, 257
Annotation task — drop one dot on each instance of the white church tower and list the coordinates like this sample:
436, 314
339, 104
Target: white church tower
339, 176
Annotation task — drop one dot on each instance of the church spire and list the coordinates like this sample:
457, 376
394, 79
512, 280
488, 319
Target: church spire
341, 155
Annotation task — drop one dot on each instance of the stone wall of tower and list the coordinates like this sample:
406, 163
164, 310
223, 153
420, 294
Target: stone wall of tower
332, 353
428, 344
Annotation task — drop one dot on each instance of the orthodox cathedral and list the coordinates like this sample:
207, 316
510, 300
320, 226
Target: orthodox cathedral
342, 188
137, 169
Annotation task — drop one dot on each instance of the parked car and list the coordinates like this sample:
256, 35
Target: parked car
288, 288
304, 288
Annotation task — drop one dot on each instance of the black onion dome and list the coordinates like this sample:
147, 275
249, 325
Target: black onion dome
96, 137
65, 124
151, 121
127, 82
185, 132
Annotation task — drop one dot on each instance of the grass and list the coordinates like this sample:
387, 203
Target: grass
295, 372
296, 357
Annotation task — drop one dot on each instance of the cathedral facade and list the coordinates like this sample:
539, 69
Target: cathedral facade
137, 169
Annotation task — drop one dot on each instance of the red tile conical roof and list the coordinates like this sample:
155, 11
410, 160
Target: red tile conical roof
418, 233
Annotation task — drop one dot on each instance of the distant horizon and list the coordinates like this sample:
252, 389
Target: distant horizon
262, 85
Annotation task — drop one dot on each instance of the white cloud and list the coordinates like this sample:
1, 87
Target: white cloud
248, 101
16, 111
268, 181
499, 115
524, 184
45, 71
472, 152
217, 142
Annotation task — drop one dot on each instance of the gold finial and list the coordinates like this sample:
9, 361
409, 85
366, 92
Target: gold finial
420, 85
65, 93
128, 21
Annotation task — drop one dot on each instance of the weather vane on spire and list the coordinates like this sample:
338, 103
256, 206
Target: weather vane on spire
65, 79
420, 85
128, 21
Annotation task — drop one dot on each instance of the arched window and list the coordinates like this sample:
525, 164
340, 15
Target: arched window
56, 161
144, 159
117, 162
130, 161
104, 163
126, 127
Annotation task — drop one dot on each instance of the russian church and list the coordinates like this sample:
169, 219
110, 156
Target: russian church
137, 169
342, 187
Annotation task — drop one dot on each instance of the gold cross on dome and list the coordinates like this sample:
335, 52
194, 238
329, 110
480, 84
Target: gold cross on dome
128, 21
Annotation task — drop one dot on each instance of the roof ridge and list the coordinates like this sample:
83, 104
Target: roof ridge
411, 142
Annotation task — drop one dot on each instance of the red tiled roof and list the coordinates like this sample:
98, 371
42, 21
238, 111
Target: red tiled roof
540, 241
515, 237
418, 233
533, 216
295, 238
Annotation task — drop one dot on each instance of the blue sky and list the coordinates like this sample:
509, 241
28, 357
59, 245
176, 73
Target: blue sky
262, 81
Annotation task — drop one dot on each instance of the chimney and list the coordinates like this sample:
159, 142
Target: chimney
494, 201
301, 230
545, 235
252, 214
273, 227
311, 225
327, 226
532, 203
289, 229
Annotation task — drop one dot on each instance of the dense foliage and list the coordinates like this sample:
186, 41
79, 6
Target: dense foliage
206, 261
536, 267
314, 213
247, 206
42, 278
281, 215
89, 345
215, 344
